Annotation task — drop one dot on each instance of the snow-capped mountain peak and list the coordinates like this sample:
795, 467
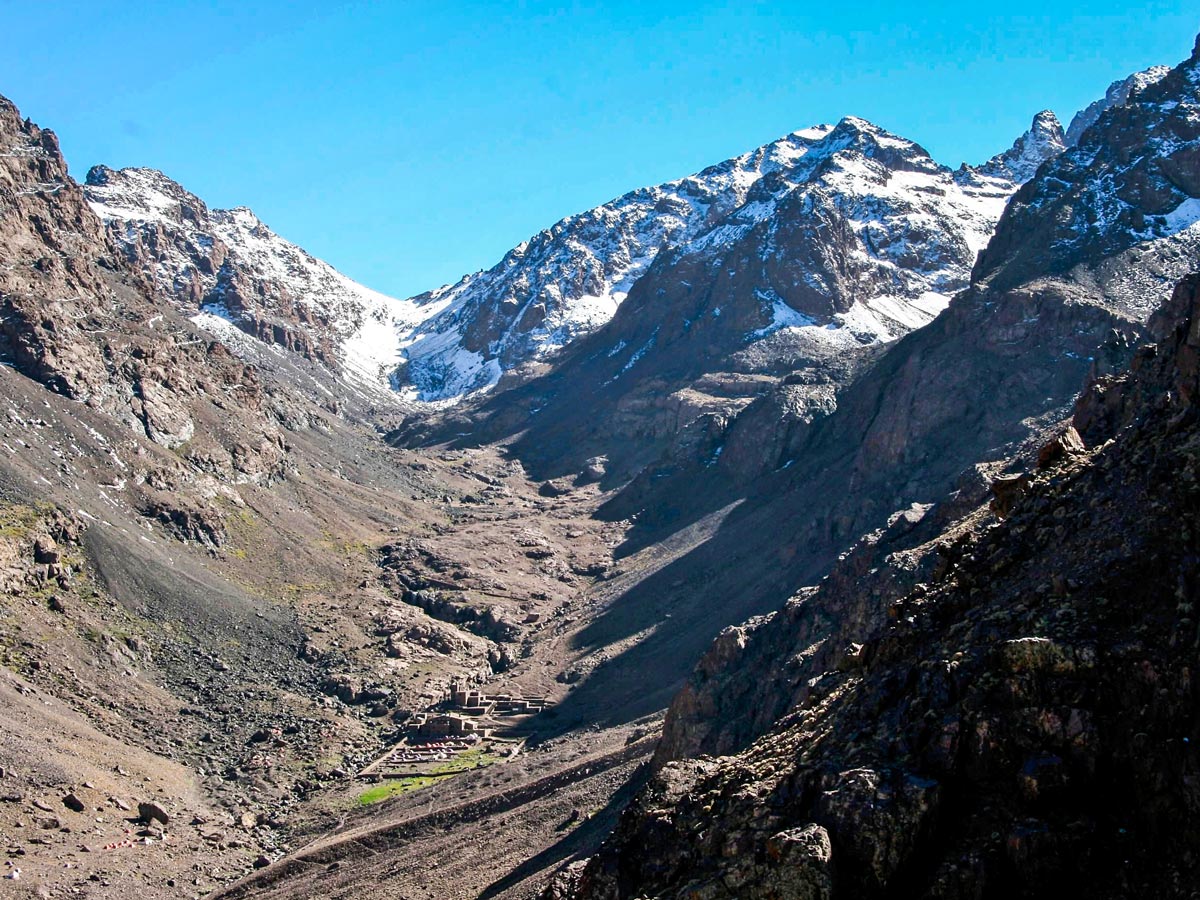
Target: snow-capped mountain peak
568, 280
1044, 140
229, 270
917, 227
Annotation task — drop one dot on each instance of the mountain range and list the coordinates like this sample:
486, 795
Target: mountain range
568, 280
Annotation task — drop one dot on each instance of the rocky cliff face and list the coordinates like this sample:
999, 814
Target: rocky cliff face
226, 267
1118, 94
58, 249
1019, 722
79, 319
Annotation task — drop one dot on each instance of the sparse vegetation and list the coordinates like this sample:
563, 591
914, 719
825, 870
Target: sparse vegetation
17, 520
477, 758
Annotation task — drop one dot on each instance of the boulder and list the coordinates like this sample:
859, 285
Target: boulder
149, 811
73, 803
1062, 446
45, 551
1006, 491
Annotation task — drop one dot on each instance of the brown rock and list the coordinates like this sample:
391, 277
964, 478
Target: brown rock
45, 551
1066, 444
149, 811
1006, 491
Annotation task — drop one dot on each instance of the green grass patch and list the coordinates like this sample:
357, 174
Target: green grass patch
393, 788
348, 547
17, 520
477, 758
464, 762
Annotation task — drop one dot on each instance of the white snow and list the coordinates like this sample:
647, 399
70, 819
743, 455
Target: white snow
782, 316
1184, 216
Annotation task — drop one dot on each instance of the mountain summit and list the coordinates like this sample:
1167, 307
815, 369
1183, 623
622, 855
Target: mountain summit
568, 280
1044, 140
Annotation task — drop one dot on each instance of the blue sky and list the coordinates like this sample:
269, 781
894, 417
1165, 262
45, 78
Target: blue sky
408, 142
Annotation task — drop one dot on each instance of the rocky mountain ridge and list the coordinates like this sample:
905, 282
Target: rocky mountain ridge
226, 267
569, 280
1129, 178
869, 243
560, 285
1118, 94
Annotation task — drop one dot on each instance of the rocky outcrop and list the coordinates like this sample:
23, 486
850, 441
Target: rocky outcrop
1021, 722
1044, 141
58, 258
1118, 94
1132, 177
81, 320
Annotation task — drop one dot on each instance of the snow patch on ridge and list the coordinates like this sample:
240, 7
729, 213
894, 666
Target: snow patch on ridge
1182, 217
782, 316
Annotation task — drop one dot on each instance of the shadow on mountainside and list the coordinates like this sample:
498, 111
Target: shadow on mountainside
985, 375
747, 568
580, 841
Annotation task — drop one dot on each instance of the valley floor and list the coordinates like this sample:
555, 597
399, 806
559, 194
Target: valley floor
248, 727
